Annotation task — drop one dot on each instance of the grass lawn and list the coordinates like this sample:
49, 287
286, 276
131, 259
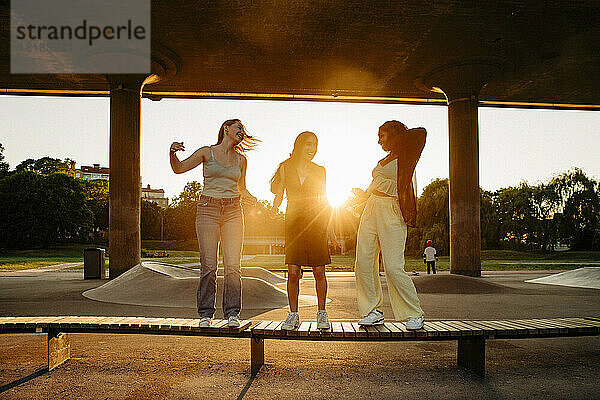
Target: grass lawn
490, 259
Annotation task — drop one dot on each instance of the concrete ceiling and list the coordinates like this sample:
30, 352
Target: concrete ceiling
549, 50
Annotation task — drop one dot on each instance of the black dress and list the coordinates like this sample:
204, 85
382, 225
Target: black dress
306, 217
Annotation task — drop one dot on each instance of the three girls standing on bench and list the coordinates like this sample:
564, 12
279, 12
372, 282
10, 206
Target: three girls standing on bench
390, 207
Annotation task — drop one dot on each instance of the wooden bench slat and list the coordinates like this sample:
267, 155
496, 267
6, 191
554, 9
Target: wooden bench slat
169, 324
243, 325
270, 329
481, 329
561, 328
578, 326
260, 327
541, 327
498, 327
131, 322
442, 330
512, 327
394, 331
531, 330
556, 322
314, 331
293, 332
488, 330
304, 328
372, 331
384, 332
452, 330
189, 323
491, 329
336, 329
217, 324
327, 332
359, 330
583, 321
111, 322
405, 332
9, 320
431, 331
348, 329
475, 330
278, 331
464, 331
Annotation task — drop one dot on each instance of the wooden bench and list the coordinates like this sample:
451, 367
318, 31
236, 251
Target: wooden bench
471, 335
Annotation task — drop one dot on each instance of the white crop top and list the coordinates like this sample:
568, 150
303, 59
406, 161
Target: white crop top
385, 179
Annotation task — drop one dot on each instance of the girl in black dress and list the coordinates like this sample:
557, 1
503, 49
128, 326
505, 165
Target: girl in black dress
307, 222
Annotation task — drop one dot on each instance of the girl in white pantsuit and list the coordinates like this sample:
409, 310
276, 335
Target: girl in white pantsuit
389, 209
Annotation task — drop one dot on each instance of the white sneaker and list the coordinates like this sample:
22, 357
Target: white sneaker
415, 323
291, 322
234, 321
204, 322
322, 320
375, 317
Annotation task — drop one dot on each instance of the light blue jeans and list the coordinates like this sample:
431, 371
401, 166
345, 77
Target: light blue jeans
219, 221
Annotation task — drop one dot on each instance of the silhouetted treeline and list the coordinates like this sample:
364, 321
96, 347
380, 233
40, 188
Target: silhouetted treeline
565, 211
42, 203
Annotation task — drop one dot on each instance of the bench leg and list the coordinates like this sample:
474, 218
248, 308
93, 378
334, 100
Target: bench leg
257, 353
59, 348
471, 354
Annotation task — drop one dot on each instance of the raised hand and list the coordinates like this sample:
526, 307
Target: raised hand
177, 146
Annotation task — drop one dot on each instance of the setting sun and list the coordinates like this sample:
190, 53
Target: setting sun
336, 199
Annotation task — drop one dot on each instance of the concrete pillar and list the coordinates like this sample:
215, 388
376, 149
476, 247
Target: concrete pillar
461, 84
124, 189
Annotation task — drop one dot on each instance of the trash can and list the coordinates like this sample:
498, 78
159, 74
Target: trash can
94, 264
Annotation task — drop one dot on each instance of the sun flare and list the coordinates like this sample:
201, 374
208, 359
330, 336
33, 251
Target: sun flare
337, 197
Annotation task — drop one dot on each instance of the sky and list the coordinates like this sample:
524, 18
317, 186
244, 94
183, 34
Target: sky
515, 145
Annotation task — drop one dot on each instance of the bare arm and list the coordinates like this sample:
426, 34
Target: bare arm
247, 198
179, 167
330, 228
280, 190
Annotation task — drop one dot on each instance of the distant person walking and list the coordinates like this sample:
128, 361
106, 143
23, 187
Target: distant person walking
307, 224
219, 218
390, 207
430, 256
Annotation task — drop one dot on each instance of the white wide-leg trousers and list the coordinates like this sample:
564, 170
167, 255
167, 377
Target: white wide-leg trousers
382, 227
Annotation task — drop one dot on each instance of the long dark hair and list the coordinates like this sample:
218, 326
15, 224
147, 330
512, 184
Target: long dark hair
293, 159
247, 144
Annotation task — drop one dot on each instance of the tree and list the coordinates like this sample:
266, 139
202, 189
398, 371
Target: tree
433, 218
489, 221
150, 220
180, 217
47, 166
37, 210
578, 209
97, 201
3, 165
260, 221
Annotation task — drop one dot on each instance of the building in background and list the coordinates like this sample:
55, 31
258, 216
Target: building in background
92, 172
156, 196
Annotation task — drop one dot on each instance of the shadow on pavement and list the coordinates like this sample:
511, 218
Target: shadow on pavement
18, 382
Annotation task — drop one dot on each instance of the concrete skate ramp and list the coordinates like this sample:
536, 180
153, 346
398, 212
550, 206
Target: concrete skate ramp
163, 285
179, 271
260, 273
456, 284
587, 277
